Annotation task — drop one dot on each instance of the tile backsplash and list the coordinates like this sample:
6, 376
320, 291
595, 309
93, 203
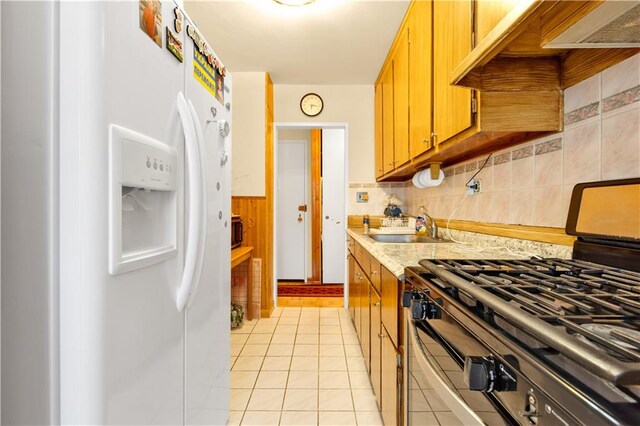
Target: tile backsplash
378, 194
531, 184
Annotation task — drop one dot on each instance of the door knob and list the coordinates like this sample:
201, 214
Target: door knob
299, 217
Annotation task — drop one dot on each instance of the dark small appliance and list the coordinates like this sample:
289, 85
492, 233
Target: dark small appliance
236, 231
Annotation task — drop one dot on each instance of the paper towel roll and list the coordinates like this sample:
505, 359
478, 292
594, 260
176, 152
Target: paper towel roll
416, 181
425, 180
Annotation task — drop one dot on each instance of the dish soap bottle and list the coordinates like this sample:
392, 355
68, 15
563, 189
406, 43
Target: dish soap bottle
421, 221
365, 224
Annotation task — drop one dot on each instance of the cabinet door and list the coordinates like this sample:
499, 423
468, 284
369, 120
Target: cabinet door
352, 286
401, 100
420, 78
390, 295
389, 381
365, 321
451, 43
387, 118
376, 338
358, 278
378, 129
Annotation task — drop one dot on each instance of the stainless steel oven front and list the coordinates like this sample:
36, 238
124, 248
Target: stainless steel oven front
435, 388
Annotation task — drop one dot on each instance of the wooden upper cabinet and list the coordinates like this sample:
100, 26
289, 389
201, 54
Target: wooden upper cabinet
452, 42
488, 14
420, 93
387, 119
401, 100
378, 130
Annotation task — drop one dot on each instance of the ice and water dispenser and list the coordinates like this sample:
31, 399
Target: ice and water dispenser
142, 210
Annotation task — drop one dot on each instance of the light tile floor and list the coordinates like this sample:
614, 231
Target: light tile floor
302, 366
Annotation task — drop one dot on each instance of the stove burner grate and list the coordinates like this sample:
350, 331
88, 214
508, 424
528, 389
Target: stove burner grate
579, 296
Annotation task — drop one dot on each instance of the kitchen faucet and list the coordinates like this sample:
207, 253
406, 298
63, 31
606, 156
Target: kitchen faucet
434, 226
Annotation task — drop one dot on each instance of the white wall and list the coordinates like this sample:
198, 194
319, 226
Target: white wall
248, 152
352, 104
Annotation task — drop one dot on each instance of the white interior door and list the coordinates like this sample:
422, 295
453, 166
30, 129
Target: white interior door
291, 194
333, 226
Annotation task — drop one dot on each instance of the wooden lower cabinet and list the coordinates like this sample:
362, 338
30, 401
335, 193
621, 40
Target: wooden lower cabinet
376, 348
365, 322
352, 293
374, 310
390, 295
389, 380
357, 288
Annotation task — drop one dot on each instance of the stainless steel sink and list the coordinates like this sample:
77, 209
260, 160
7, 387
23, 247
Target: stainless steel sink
399, 238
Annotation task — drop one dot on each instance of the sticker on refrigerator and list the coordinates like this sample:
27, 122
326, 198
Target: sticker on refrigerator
151, 19
208, 76
174, 45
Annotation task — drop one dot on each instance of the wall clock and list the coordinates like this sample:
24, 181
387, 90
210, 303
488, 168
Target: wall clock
311, 104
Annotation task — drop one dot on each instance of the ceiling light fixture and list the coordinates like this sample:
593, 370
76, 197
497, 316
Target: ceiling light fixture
294, 2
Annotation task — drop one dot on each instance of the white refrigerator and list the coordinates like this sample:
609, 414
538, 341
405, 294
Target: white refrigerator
115, 173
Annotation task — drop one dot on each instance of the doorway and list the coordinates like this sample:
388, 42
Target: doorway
310, 187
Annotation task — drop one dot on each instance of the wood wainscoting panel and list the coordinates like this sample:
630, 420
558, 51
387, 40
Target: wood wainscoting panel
253, 211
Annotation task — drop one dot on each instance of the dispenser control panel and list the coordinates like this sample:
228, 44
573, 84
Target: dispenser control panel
148, 165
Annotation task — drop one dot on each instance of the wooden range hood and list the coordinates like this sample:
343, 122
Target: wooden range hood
512, 57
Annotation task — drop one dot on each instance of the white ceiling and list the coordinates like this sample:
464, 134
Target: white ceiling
327, 42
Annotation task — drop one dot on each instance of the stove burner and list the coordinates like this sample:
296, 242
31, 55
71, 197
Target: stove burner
622, 337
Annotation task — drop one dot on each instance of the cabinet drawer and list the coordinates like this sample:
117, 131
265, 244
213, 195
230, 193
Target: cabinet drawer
390, 295
374, 275
364, 259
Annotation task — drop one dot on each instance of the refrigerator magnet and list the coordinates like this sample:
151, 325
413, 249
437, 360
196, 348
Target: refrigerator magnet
174, 45
151, 19
177, 23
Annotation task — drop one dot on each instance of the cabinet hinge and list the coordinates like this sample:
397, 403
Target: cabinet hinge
399, 360
474, 105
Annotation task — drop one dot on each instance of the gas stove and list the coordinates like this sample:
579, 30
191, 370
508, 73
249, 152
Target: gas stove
540, 341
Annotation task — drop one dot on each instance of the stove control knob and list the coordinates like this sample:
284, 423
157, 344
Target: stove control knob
422, 309
480, 373
408, 296
418, 310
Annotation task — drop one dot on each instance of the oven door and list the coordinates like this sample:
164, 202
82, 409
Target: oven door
435, 386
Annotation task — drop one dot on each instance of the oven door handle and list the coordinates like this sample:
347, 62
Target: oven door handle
449, 396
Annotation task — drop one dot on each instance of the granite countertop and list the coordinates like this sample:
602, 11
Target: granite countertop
395, 257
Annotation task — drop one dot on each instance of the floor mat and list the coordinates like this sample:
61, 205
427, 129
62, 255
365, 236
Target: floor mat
310, 290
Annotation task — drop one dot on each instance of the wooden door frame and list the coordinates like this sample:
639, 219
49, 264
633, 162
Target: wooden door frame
316, 206
309, 126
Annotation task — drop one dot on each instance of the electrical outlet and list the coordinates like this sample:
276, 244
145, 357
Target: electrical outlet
473, 187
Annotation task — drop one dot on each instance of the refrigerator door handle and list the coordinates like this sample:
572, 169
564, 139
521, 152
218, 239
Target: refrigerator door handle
203, 211
195, 203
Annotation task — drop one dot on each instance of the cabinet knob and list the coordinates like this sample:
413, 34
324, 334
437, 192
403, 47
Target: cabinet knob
374, 272
376, 304
380, 335
425, 140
